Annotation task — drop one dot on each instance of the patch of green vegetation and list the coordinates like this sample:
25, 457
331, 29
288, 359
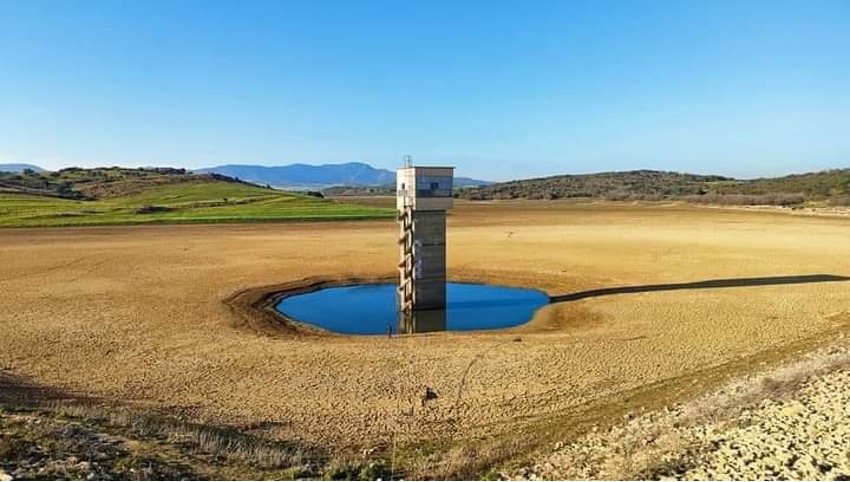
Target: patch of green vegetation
359, 191
192, 201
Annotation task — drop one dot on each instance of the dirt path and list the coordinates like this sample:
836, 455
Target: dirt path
137, 314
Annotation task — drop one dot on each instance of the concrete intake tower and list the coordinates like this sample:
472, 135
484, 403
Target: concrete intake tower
423, 194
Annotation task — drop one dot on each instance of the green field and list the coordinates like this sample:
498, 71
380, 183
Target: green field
192, 202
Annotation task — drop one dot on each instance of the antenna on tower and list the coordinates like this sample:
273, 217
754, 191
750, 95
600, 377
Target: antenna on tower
408, 161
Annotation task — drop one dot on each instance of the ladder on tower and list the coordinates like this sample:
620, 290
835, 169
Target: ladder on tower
405, 265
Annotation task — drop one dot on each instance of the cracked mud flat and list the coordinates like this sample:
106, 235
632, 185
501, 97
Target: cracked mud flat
136, 314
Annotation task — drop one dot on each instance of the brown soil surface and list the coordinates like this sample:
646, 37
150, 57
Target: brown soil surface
137, 314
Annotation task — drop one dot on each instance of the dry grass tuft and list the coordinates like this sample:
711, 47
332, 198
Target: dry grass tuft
219, 442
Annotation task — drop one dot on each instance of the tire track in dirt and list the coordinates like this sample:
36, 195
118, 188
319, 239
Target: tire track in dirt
87, 271
91, 269
46, 271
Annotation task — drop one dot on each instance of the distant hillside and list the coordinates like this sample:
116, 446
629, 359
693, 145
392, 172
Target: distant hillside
19, 168
89, 184
827, 186
77, 197
341, 191
305, 176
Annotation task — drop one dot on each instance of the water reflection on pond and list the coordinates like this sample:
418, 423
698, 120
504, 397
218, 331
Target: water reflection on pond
370, 309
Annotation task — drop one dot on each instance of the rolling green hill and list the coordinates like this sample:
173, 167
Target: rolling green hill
827, 187
80, 197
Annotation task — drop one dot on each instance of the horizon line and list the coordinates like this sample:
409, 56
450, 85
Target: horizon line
572, 173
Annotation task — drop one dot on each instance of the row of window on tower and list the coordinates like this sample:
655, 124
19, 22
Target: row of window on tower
432, 186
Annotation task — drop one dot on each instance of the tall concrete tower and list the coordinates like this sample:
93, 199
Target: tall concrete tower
423, 194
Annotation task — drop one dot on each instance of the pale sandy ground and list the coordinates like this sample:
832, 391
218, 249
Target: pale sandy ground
135, 314
789, 423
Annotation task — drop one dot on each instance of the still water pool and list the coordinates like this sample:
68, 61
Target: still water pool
370, 309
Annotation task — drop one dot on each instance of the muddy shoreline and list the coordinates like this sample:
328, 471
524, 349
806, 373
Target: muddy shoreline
255, 307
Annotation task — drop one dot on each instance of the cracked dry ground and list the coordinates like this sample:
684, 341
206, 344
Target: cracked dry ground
791, 424
136, 315
806, 438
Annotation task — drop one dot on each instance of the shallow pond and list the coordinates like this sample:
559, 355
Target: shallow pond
370, 309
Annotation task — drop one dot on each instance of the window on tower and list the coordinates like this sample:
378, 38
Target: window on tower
433, 186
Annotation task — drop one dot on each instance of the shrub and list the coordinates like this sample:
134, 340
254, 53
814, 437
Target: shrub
151, 209
777, 199
840, 200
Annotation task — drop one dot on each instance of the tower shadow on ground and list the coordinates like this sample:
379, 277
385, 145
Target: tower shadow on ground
701, 285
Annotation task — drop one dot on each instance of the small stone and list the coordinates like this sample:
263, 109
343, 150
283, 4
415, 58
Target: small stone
792, 409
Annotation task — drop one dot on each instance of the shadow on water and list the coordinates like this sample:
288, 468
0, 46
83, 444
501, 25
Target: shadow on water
701, 285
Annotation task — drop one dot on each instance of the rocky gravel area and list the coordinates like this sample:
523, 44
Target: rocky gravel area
66, 438
40, 446
805, 438
790, 424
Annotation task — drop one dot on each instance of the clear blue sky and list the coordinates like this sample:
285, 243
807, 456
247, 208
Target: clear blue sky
500, 89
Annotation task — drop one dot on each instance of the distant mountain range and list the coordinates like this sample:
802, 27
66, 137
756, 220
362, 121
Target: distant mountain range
305, 176
18, 167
